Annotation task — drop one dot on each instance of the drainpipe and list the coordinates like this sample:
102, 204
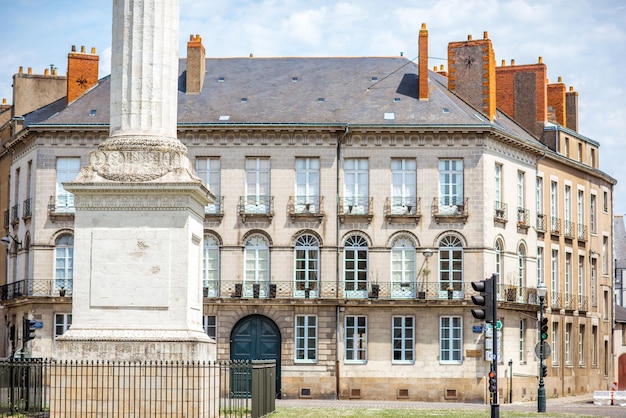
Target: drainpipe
337, 263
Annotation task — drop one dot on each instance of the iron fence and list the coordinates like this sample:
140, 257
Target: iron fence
50, 388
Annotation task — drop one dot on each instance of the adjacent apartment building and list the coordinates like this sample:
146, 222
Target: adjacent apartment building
357, 199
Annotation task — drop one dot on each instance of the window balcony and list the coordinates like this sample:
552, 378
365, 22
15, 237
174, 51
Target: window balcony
61, 208
523, 218
27, 211
214, 212
37, 288
569, 229
541, 222
555, 226
500, 212
450, 209
582, 233
582, 303
305, 208
7, 218
356, 209
256, 207
15, 214
403, 209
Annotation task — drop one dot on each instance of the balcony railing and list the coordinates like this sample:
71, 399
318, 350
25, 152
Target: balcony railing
500, 212
397, 209
61, 208
214, 210
569, 229
356, 208
36, 287
541, 222
256, 206
523, 218
7, 218
15, 214
27, 211
305, 207
582, 232
417, 291
555, 226
450, 209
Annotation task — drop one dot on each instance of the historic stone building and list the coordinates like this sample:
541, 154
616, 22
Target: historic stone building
357, 199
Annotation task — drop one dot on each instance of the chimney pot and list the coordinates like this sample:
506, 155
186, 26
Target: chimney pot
560, 79
441, 67
82, 49
485, 35
571, 88
54, 71
251, 55
46, 72
4, 100
512, 62
21, 70
540, 60
93, 50
73, 48
469, 37
30, 70
435, 68
504, 63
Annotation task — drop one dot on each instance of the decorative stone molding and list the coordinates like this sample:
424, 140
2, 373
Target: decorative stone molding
133, 335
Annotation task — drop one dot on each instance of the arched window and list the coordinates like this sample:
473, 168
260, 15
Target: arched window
355, 256
403, 267
211, 266
450, 266
306, 268
257, 266
521, 267
64, 262
498, 252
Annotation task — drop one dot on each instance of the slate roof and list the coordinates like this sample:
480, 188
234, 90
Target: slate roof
303, 91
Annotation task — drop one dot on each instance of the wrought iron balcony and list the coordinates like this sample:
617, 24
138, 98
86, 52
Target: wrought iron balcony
7, 218
399, 209
569, 229
523, 218
582, 232
256, 206
500, 212
305, 208
541, 222
36, 287
450, 209
356, 208
15, 214
214, 211
27, 211
555, 226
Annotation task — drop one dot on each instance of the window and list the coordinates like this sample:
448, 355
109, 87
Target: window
593, 215
450, 339
209, 323
521, 268
594, 346
568, 278
450, 266
62, 323
567, 203
605, 201
522, 341
257, 185
554, 206
307, 185
355, 255
539, 196
356, 186
581, 282
520, 193
498, 184
555, 345
568, 351
581, 214
450, 185
403, 268
356, 339
64, 262
403, 177
67, 170
593, 283
257, 266
498, 250
306, 339
580, 153
593, 157
540, 265
208, 169
554, 276
581, 345
211, 266
605, 305
605, 255
307, 261
403, 339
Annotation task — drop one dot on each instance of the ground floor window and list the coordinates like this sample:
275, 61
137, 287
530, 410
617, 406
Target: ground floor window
62, 323
403, 339
209, 323
450, 339
306, 339
356, 339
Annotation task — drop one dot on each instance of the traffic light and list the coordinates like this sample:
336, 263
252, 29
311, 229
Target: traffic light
543, 329
485, 287
493, 387
28, 328
544, 370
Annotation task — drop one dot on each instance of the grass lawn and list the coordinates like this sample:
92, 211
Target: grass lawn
404, 413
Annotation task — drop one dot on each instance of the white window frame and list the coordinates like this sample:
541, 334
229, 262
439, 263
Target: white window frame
581, 214
211, 266
567, 203
554, 205
356, 185
451, 340
209, 324
554, 274
498, 183
539, 196
256, 265
498, 255
306, 343
450, 185
450, 255
581, 345
403, 272
568, 344
67, 169
355, 341
555, 343
64, 262
540, 264
257, 198
520, 190
62, 322
306, 266
403, 185
208, 169
307, 193
403, 340
593, 213
522, 341
356, 266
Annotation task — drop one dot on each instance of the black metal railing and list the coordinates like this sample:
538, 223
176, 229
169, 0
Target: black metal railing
15, 214
46, 387
7, 219
582, 232
500, 211
26, 210
541, 222
569, 229
36, 287
555, 225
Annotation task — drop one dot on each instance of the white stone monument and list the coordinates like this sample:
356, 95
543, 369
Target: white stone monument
137, 291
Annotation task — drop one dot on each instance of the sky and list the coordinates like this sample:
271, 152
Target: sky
582, 41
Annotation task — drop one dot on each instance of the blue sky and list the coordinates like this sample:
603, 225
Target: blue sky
583, 41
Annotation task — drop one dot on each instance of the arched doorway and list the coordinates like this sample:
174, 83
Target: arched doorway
621, 374
256, 337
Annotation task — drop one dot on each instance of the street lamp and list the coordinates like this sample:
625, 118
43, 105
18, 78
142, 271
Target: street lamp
541, 392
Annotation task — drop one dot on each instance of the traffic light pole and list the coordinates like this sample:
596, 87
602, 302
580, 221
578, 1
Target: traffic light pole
495, 407
541, 391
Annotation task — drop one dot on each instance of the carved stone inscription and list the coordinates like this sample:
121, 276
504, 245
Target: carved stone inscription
134, 166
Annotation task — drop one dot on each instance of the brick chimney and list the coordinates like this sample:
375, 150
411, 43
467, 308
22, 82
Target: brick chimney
571, 109
521, 94
472, 73
196, 65
82, 72
556, 102
423, 63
